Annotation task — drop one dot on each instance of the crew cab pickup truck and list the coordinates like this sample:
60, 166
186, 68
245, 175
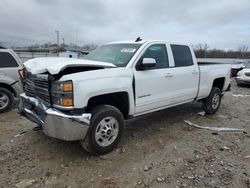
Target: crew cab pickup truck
88, 99
10, 84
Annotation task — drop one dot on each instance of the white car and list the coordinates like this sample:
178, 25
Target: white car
237, 66
88, 99
10, 83
243, 76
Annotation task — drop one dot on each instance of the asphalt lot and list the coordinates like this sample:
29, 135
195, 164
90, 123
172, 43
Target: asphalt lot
157, 150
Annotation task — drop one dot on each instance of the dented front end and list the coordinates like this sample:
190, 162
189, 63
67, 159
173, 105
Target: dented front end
54, 123
49, 104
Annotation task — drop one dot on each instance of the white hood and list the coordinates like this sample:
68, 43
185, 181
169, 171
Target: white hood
54, 65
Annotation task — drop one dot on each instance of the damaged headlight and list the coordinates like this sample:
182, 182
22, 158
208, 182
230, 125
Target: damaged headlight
62, 94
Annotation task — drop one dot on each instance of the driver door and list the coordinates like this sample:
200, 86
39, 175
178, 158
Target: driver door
151, 85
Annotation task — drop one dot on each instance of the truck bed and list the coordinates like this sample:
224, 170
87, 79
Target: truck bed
207, 70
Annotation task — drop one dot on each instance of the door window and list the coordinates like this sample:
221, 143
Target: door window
6, 60
182, 55
159, 53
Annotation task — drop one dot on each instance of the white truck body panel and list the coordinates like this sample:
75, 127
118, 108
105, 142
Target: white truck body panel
207, 75
174, 84
106, 80
147, 90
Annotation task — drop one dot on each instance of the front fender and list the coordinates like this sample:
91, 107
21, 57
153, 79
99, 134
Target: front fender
7, 80
83, 91
89, 84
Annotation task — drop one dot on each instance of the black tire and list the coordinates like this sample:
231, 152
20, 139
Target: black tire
8, 98
209, 104
238, 84
99, 114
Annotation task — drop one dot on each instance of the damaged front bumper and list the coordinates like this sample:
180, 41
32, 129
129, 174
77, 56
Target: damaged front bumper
54, 123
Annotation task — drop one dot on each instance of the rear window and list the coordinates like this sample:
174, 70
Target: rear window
182, 55
6, 60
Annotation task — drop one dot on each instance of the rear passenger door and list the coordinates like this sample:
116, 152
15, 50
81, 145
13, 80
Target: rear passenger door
185, 74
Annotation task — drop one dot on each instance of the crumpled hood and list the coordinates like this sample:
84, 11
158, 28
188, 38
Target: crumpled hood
54, 65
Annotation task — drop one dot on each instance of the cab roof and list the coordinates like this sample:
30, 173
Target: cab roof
147, 41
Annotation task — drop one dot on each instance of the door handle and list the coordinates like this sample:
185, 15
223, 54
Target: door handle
195, 72
168, 75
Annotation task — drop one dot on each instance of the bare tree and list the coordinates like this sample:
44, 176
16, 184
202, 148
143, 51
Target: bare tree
201, 50
243, 48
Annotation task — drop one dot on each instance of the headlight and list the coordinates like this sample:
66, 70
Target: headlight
62, 94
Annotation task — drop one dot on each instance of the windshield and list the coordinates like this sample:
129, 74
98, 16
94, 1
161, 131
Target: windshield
247, 66
118, 54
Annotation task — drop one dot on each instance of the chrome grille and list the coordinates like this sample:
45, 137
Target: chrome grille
37, 86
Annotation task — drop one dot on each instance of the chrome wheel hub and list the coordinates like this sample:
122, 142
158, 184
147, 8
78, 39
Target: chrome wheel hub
107, 131
215, 101
4, 100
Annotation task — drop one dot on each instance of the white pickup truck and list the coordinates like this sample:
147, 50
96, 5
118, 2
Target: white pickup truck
88, 99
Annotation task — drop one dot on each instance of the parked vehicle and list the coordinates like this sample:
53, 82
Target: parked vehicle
243, 76
10, 84
88, 99
237, 66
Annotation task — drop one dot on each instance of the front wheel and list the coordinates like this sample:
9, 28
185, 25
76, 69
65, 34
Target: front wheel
212, 103
106, 127
6, 99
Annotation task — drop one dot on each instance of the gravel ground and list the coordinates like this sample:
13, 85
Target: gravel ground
157, 150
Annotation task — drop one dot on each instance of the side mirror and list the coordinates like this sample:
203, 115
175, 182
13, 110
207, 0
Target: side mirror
148, 63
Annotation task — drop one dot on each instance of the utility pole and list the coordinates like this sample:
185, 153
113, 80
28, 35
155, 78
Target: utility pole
63, 41
57, 35
205, 49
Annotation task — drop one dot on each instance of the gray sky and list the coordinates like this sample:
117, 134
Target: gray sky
219, 23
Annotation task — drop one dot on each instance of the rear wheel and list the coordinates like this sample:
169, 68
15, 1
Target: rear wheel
212, 103
6, 99
106, 127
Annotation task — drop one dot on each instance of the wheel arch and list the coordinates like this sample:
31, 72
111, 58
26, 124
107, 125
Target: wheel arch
120, 100
6, 86
219, 83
